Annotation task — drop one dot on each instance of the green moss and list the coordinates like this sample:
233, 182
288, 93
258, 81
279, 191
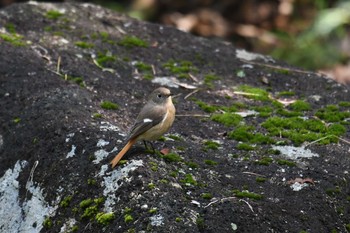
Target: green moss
10, 27
333, 192
200, 223
132, 41
287, 113
336, 129
14, 39
92, 182
189, 180
247, 194
227, 119
76, 80
260, 179
128, 218
47, 223
206, 195
127, 210
210, 162
48, 29
299, 130
175, 137
331, 113
264, 161
211, 145
154, 166
286, 162
264, 111
180, 68
105, 38
90, 212
75, 228
206, 107
172, 157
174, 174
109, 105
105, 218
53, 14
244, 134
300, 105
97, 115
344, 103
192, 165
244, 146
143, 67
152, 211
86, 203
286, 94
16, 120
104, 59
209, 79
84, 45
99, 201
66, 201
178, 219
347, 226
151, 185
254, 93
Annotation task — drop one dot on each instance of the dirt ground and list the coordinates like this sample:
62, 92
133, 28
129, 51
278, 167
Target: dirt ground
60, 62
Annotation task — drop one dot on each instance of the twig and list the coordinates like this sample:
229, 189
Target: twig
250, 207
331, 135
210, 203
153, 70
58, 65
193, 115
31, 176
193, 77
221, 200
252, 173
280, 67
191, 93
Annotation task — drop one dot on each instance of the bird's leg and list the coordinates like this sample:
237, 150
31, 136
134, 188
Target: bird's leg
147, 148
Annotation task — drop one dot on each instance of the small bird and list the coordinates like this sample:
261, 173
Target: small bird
154, 119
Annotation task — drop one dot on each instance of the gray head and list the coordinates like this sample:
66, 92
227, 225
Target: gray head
160, 95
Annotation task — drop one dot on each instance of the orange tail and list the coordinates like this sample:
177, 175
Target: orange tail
118, 157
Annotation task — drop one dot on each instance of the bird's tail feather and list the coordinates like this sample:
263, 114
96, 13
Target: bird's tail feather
119, 156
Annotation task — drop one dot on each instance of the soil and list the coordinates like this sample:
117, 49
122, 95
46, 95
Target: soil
51, 118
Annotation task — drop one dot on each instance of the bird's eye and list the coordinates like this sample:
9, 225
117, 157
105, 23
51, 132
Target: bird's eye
159, 95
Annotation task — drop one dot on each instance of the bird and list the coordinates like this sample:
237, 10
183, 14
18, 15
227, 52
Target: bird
154, 119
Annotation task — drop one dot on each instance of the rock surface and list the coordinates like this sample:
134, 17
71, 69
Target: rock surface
60, 62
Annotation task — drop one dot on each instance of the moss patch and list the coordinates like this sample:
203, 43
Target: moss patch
52, 14
227, 119
299, 130
109, 105
247, 194
132, 41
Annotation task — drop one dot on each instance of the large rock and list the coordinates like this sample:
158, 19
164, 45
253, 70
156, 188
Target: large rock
59, 62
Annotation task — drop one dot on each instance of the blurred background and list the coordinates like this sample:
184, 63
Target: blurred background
312, 34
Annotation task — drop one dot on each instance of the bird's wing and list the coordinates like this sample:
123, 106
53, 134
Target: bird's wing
147, 118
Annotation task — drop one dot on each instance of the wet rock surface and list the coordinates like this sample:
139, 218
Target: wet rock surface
60, 62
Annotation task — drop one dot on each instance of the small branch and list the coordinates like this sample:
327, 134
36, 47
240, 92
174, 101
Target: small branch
252, 173
280, 67
191, 93
193, 115
250, 207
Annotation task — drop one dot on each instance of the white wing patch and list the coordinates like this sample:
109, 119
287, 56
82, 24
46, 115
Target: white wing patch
146, 120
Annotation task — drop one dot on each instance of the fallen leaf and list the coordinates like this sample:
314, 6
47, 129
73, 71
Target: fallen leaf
301, 181
165, 151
